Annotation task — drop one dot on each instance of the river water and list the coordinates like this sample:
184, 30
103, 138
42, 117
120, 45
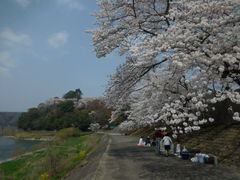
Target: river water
9, 146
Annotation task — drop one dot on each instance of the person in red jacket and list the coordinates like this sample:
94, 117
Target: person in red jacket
159, 134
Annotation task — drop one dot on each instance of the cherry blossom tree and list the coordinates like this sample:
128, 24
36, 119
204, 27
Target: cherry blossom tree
181, 55
94, 126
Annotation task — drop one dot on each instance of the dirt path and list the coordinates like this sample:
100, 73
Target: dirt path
118, 158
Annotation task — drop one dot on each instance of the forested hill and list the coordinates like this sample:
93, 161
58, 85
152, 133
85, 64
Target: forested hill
9, 119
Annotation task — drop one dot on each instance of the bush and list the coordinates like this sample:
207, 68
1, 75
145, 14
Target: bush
68, 132
80, 155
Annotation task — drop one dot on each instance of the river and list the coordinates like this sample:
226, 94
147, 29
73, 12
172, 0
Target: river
10, 146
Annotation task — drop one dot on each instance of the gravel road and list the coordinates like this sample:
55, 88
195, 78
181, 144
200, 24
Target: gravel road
118, 158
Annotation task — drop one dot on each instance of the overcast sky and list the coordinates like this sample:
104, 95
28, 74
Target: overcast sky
45, 52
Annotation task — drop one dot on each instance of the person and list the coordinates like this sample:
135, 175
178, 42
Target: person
148, 141
141, 142
153, 143
178, 150
167, 141
158, 137
159, 134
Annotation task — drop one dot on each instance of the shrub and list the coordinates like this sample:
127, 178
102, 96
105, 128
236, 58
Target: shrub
68, 132
80, 155
44, 176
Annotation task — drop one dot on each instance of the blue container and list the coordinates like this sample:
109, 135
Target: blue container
185, 155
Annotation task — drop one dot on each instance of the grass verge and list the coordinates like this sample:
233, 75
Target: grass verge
59, 157
34, 135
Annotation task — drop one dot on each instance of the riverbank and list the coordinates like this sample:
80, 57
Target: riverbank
12, 147
19, 156
30, 138
59, 157
29, 135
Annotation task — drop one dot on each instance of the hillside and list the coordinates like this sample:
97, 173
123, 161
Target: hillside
220, 139
9, 119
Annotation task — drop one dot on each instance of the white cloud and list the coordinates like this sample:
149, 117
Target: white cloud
6, 63
73, 4
58, 39
23, 3
6, 60
12, 38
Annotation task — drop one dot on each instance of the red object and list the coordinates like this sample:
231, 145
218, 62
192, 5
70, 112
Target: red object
158, 134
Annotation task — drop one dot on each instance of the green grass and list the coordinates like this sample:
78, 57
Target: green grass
53, 163
21, 134
19, 168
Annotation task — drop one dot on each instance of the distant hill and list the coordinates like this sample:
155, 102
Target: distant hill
9, 119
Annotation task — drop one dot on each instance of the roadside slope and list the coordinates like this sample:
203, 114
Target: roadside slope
87, 168
222, 140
